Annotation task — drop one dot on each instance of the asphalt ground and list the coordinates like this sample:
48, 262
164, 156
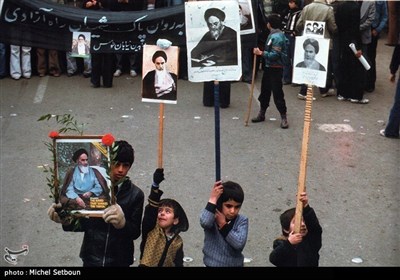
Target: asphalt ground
353, 173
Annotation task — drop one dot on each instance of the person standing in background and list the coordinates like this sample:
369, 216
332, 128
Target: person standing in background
393, 125
290, 32
20, 62
3, 71
102, 63
367, 16
134, 58
380, 21
47, 60
271, 81
350, 70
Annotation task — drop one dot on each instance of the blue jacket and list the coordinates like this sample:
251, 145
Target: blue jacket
276, 43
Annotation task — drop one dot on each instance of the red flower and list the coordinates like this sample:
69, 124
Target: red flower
53, 134
108, 139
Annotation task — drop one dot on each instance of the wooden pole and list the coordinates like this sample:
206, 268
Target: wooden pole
246, 123
160, 136
55, 174
301, 185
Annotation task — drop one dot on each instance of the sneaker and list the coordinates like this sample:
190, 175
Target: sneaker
382, 133
362, 101
341, 98
330, 92
117, 73
133, 73
300, 96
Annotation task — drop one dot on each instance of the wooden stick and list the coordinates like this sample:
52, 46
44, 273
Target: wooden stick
160, 136
301, 185
246, 123
55, 174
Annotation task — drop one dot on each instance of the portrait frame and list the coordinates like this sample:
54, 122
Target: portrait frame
203, 69
148, 91
310, 76
75, 39
99, 159
317, 29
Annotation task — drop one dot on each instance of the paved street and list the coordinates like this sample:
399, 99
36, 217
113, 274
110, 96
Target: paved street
353, 174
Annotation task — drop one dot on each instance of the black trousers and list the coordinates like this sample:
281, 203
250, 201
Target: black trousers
224, 94
102, 66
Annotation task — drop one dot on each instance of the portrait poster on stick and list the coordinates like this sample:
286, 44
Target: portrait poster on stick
80, 44
160, 74
213, 41
310, 61
82, 164
246, 17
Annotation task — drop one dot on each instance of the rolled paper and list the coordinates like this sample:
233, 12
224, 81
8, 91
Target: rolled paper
362, 59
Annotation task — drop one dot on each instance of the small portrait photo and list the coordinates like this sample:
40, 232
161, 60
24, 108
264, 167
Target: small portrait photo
82, 164
80, 44
246, 17
314, 28
310, 60
213, 39
160, 74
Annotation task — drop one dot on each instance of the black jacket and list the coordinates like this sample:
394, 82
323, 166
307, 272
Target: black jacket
104, 245
305, 253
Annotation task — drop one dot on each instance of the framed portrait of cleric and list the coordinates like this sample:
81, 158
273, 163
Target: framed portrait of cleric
213, 41
246, 17
80, 44
160, 74
310, 62
81, 166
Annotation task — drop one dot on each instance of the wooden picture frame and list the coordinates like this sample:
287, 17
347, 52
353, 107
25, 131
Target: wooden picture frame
73, 182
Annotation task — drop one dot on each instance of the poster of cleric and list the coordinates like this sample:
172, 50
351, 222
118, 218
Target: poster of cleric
213, 40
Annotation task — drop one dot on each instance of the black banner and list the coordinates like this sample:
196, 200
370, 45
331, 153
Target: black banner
47, 25
43, 24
